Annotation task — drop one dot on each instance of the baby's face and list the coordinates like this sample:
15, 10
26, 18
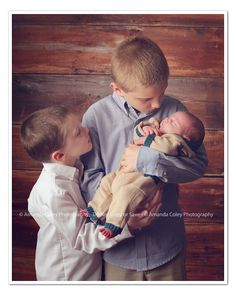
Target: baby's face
178, 123
146, 99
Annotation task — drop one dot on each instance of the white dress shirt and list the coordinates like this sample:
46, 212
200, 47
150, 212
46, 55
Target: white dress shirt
68, 248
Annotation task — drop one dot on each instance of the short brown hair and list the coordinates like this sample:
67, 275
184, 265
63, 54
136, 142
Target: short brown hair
138, 60
42, 132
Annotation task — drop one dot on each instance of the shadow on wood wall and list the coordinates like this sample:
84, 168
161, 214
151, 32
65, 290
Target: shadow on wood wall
66, 58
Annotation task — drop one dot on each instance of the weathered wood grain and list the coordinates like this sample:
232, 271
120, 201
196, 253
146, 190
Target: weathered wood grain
202, 201
28, 88
214, 143
37, 91
203, 96
23, 268
25, 228
73, 49
172, 20
205, 252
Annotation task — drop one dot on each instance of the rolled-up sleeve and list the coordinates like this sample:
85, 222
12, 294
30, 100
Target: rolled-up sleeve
170, 168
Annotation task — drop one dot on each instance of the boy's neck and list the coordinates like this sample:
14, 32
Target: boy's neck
66, 163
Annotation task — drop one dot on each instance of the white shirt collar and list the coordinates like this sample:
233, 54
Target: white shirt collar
72, 173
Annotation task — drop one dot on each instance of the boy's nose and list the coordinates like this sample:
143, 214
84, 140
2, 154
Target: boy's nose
155, 104
86, 131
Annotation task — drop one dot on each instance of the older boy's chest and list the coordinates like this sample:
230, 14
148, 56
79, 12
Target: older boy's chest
113, 139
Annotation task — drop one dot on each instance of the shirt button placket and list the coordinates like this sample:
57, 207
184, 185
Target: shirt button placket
141, 252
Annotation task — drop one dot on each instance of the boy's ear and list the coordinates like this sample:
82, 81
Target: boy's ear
116, 88
57, 156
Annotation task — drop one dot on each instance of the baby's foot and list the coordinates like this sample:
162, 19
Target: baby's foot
108, 233
84, 213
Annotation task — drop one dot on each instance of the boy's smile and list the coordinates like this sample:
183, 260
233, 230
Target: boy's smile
145, 99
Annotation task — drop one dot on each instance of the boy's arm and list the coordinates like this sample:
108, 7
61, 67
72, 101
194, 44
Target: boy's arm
167, 168
64, 215
172, 169
94, 168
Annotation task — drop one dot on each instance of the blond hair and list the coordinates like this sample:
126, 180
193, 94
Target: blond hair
138, 60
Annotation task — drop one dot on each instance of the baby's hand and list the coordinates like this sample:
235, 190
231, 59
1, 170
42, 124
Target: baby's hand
150, 130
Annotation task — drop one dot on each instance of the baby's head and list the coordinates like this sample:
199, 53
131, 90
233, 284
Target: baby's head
55, 134
185, 124
140, 73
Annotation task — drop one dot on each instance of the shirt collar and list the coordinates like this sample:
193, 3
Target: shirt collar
60, 170
122, 103
129, 110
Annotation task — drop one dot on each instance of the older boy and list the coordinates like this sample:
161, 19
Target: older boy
140, 77
55, 137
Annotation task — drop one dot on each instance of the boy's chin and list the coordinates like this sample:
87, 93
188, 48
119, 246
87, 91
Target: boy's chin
150, 111
88, 150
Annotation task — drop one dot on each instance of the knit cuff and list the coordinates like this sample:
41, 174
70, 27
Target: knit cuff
149, 139
138, 133
92, 214
115, 229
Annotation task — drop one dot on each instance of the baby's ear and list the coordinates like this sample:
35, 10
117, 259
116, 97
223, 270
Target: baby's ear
186, 137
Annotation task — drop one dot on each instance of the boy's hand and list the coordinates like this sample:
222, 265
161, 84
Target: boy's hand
140, 141
144, 217
129, 159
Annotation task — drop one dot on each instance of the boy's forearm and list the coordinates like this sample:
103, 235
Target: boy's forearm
92, 241
172, 169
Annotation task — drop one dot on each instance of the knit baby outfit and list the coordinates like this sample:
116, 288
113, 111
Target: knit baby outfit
120, 193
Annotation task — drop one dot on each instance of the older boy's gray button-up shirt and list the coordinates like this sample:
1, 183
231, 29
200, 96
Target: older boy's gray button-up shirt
110, 122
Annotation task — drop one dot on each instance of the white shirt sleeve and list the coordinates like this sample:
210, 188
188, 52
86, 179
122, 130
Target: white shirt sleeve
63, 213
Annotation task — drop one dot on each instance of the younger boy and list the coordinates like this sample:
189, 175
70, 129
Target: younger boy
140, 77
55, 137
121, 193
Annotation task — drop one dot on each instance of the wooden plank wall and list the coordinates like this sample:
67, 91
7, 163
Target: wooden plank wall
66, 58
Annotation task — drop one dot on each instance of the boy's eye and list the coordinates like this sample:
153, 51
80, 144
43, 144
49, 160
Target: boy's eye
147, 100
